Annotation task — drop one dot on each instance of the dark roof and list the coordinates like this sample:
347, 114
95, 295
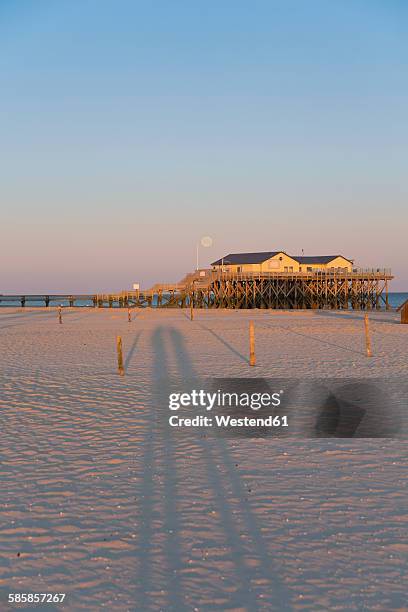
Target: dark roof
318, 259
245, 258
254, 258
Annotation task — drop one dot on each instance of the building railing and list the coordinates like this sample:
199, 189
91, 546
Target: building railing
379, 273
385, 271
197, 281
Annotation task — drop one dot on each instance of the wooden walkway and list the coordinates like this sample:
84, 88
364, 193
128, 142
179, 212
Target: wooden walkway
360, 289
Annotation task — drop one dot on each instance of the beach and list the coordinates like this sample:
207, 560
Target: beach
100, 502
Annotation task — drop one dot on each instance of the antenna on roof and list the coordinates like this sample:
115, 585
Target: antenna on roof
303, 251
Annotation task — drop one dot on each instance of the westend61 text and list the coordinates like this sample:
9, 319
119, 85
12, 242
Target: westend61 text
228, 421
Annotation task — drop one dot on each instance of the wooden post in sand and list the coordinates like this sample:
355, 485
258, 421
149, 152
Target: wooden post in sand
252, 360
129, 316
121, 370
367, 336
60, 314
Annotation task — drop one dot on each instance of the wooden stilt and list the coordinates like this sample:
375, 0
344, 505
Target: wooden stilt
252, 360
119, 351
367, 336
387, 306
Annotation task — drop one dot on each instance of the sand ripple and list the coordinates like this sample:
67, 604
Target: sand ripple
100, 502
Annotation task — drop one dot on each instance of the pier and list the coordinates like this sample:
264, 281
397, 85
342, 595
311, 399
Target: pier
360, 289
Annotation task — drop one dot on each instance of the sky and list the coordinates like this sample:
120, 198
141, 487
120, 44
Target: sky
129, 130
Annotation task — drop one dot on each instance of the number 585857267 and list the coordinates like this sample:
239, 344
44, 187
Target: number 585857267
36, 597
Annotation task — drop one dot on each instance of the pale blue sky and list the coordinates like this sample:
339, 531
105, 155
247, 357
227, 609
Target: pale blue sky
130, 129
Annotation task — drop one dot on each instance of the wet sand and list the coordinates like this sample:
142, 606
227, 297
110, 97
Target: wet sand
98, 501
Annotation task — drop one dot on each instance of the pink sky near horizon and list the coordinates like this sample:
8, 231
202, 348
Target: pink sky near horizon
93, 257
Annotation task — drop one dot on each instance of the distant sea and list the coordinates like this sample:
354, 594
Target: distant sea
395, 299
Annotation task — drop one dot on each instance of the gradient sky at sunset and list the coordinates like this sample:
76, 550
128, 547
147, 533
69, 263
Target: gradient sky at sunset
130, 129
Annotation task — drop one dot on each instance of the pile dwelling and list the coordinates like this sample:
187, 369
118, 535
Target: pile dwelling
276, 280
271, 279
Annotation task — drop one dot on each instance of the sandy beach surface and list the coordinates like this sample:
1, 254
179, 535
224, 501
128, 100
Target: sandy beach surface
100, 502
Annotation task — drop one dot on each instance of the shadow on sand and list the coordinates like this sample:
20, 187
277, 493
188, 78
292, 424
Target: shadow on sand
168, 343
355, 315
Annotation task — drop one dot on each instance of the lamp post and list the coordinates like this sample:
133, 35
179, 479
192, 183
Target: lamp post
206, 241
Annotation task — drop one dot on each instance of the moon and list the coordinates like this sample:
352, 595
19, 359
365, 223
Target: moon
206, 241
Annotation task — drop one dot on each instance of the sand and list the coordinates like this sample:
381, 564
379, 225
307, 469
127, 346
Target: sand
100, 502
